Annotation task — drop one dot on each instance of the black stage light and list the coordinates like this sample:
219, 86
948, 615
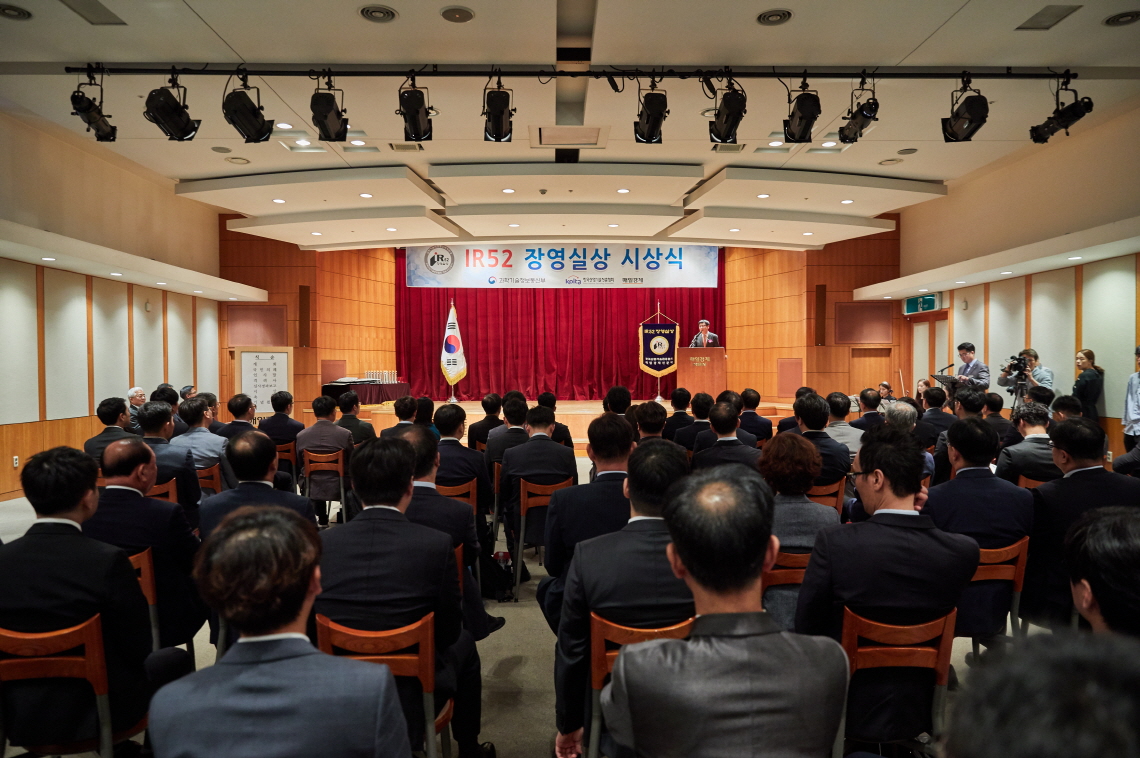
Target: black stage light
92, 112
654, 109
244, 114
498, 111
416, 111
860, 115
1062, 118
805, 109
730, 112
329, 115
166, 108
968, 113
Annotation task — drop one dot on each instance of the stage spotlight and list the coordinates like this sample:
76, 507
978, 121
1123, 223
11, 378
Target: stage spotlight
805, 109
245, 115
498, 111
654, 108
968, 113
166, 108
1062, 118
415, 110
92, 112
329, 116
860, 115
729, 113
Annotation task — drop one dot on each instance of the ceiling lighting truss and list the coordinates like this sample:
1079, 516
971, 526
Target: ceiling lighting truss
968, 113
91, 111
498, 110
862, 112
1062, 118
803, 110
415, 108
329, 114
166, 108
653, 109
243, 113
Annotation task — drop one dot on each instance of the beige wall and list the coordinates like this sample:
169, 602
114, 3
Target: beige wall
1079, 182
49, 184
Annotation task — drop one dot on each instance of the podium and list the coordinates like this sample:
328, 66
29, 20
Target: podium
702, 369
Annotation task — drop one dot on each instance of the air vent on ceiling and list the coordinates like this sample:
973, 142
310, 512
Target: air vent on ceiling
724, 147
14, 13
569, 136
457, 14
381, 14
1048, 17
405, 147
774, 17
1123, 19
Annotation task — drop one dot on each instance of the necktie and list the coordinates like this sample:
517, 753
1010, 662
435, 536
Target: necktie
704, 340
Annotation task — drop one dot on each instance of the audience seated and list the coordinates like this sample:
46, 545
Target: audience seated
561, 432
895, 568
1056, 696
281, 427
458, 464
790, 424
708, 437
727, 447
1102, 554
812, 413
1032, 457
686, 436
130, 520
323, 438
156, 421
1069, 407
1066, 407
924, 431
617, 400
587, 510
679, 399
349, 404
992, 414
382, 571
253, 458
969, 403
738, 681
539, 460
624, 577
207, 449
651, 417
477, 431
424, 410
136, 396
789, 466
114, 415
504, 428
274, 695
242, 408
167, 394
978, 504
452, 517
211, 399
904, 416
187, 392
514, 433
838, 406
751, 421
869, 401
53, 578
1078, 446
405, 409
934, 400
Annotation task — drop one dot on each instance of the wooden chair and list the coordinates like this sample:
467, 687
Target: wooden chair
481, 446
382, 647
901, 646
1025, 481
468, 492
926, 482
459, 564
289, 453
38, 656
689, 453
143, 563
1008, 564
313, 462
495, 516
789, 569
167, 491
602, 660
829, 494
211, 478
531, 496
760, 444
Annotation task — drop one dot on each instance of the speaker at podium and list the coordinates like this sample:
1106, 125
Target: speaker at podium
702, 369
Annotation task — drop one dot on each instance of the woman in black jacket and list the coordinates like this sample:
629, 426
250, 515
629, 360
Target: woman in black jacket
1090, 383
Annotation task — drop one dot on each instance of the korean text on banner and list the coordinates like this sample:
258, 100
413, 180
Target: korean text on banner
452, 360
658, 348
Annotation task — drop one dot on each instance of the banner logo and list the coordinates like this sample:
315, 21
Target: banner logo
439, 259
659, 345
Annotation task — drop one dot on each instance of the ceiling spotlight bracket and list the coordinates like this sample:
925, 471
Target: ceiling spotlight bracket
803, 110
90, 110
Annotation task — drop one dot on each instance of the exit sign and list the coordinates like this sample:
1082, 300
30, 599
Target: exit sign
922, 303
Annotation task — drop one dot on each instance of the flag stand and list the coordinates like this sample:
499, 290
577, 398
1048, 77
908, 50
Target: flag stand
452, 398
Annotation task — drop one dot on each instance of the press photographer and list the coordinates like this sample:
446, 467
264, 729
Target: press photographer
1027, 364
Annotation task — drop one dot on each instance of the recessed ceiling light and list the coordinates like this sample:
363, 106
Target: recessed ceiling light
303, 142
457, 14
513, 226
391, 228
1003, 273
924, 290
829, 144
763, 196
886, 297
365, 194
315, 234
959, 282
890, 161
623, 191
908, 151
357, 142
847, 202
278, 200
775, 143
115, 273
238, 161
734, 230
221, 149
613, 226
47, 259
808, 234
1072, 258
508, 191
233, 298
161, 284
283, 125
197, 292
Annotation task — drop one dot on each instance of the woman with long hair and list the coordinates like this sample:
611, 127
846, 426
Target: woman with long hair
1090, 383
424, 409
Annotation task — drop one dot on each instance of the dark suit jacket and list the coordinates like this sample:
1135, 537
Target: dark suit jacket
787, 424
561, 435
756, 425
708, 438
686, 436
1031, 458
625, 578
939, 419
216, 427
233, 429
540, 460
459, 465
996, 514
52, 578
500, 444
281, 428
895, 569
926, 433
180, 426
726, 451
679, 420
1046, 598
393, 429
97, 444
477, 432
452, 517
711, 340
132, 522
1000, 424
868, 420
178, 465
361, 430
582, 513
279, 699
217, 507
836, 456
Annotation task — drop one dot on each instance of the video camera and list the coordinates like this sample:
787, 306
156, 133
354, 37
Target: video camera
1018, 369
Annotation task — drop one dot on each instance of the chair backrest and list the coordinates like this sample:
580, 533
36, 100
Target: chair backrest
480, 446
288, 452
789, 569
926, 482
37, 656
323, 461
1007, 563
143, 563
167, 491
211, 478
459, 564
689, 453
468, 492
381, 647
760, 444
829, 494
602, 631
900, 645
1025, 481
100, 481
538, 495
498, 475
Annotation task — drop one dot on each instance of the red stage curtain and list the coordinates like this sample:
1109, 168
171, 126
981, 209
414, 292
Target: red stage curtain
576, 343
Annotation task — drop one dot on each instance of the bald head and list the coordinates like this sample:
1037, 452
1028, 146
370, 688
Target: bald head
252, 456
130, 463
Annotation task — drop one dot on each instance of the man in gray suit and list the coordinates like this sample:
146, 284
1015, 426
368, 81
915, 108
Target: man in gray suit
738, 681
323, 438
973, 373
207, 449
274, 695
1033, 456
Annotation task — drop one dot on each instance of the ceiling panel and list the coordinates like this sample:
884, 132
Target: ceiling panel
577, 220
391, 225
566, 182
754, 227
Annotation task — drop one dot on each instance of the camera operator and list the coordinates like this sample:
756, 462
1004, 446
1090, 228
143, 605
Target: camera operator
1035, 373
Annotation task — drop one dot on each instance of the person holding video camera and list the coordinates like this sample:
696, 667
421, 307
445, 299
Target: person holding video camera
1026, 362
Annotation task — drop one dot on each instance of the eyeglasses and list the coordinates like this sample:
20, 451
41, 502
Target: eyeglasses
860, 473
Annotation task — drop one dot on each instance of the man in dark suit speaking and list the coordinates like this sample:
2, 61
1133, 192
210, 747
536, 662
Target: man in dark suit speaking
704, 338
